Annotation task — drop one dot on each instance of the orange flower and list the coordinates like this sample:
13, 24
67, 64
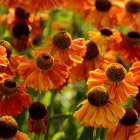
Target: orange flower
129, 47
104, 13
92, 60
38, 119
131, 13
3, 56
9, 129
32, 5
11, 68
62, 47
119, 83
79, 6
125, 128
106, 38
44, 73
135, 69
98, 110
13, 96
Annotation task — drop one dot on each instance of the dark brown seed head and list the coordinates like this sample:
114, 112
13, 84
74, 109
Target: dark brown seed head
98, 96
37, 110
132, 38
103, 5
44, 61
8, 87
8, 127
132, 6
130, 117
92, 50
115, 72
62, 39
106, 31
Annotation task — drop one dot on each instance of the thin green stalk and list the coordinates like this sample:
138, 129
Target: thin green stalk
94, 133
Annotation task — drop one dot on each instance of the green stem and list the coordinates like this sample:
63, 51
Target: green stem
94, 133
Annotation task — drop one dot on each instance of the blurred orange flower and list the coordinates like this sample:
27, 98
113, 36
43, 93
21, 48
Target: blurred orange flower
135, 69
129, 47
13, 96
81, 7
131, 13
32, 5
119, 83
104, 13
44, 73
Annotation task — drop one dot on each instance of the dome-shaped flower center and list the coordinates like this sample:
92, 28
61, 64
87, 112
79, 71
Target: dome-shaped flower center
20, 29
92, 50
62, 39
115, 72
103, 5
7, 46
37, 110
8, 127
132, 38
132, 6
8, 87
44, 61
21, 13
130, 117
106, 31
98, 96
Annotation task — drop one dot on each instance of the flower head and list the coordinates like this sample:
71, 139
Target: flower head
14, 60
43, 73
104, 13
38, 120
13, 96
125, 127
9, 129
98, 110
119, 83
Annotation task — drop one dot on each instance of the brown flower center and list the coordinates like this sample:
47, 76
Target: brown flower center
115, 72
103, 5
92, 50
8, 87
132, 38
8, 127
98, 96
20, 29
62, 39
106, 31
130, 117
133, 6
44, 61
37, 110
21, 13
7, 46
